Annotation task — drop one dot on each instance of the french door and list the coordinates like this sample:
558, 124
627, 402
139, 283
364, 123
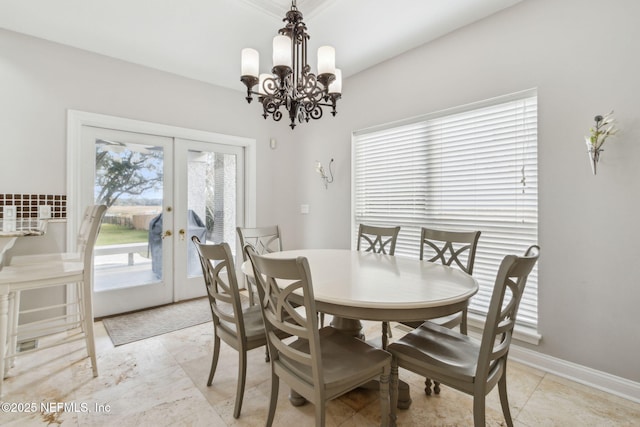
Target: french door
160, 191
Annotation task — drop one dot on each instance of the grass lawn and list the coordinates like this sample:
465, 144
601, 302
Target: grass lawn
111, 234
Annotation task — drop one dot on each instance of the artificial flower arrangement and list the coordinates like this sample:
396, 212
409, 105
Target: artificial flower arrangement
604, 128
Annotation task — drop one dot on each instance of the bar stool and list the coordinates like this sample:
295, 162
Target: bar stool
51, 271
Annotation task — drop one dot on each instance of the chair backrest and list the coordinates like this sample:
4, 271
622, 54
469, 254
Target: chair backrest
222, 288
380, 240
88, 232
449, 247
263, 239
503, 309
277, 280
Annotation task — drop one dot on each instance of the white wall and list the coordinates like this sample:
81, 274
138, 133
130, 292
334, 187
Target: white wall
581, 55
583, 58
42, 80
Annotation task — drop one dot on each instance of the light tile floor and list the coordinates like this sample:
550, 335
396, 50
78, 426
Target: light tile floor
161, 381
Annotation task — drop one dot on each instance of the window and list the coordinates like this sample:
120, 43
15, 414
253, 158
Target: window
471, 168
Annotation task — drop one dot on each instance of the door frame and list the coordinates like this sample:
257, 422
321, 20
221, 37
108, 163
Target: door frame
75, 168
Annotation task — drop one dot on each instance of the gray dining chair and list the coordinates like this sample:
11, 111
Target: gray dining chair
452, 248
380, 240
241, 328
321, 364
264, 240
466, 364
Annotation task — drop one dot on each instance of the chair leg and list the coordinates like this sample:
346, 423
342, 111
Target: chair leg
273, 402
242, 376
266, 354
504, 401
463, 322
250, 284
384, 397
479, 409
320, 413
322, 320
87, 322
214, 361
427, 386
393, 393
385, 335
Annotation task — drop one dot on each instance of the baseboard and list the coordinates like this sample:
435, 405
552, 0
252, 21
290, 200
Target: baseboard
608, 383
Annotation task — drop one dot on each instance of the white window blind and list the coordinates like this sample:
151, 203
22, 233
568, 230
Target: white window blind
470, 169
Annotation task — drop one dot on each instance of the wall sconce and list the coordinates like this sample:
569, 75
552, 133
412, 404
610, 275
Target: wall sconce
325, 179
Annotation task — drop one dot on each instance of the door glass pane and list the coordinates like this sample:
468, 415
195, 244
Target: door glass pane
129, 180
211, 202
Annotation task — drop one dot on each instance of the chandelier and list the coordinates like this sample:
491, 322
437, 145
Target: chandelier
291, 83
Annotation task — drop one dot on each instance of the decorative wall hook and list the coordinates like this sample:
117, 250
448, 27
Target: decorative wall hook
325, 179
598, 135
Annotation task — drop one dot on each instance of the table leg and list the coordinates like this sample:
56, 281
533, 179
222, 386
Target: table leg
296, 399
348, 326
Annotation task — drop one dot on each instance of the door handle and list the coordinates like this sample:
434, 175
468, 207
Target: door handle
166, 234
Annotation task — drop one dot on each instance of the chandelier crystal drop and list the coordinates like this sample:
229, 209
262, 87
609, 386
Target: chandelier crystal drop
291, 84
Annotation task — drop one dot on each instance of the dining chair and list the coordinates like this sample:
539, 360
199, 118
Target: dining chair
52, 270
453, 248
321, 364
380, 240
241, 328
264, 240
464, 363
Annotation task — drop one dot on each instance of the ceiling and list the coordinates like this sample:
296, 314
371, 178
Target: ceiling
202, 39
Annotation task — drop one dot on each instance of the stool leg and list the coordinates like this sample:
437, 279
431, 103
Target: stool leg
13, 316
4, 325
87, 321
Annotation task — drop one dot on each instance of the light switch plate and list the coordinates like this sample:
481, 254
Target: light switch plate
9, 212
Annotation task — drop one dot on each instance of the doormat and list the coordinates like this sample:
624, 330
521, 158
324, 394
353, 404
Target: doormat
127, 328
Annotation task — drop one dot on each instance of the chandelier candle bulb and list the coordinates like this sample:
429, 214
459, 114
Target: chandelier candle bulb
250, 62
336, 85
326, 60
282, 51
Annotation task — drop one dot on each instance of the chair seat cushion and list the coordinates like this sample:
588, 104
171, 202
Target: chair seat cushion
435, 348
253, 323
345, 359
45, 258
42, 274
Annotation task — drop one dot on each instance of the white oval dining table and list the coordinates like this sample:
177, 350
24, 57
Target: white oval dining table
354, 286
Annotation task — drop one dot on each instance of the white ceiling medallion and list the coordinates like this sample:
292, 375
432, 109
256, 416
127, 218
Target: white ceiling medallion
278, 8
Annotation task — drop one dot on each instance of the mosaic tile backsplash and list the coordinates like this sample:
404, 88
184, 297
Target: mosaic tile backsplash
27, 204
